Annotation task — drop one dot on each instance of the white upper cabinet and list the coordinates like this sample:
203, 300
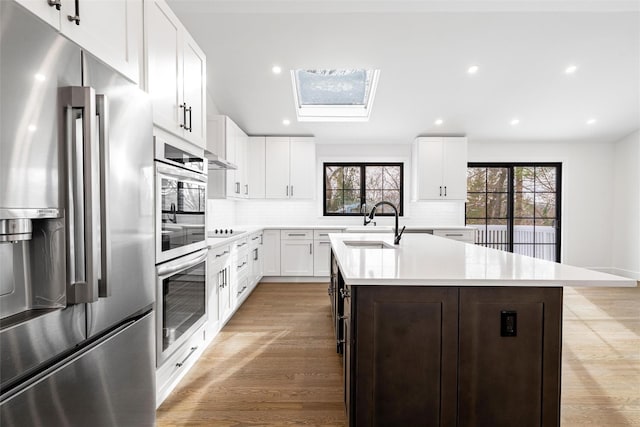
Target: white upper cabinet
440, 168
290, 167
109, 30
277, 167
256, 167
175, 74
229, 142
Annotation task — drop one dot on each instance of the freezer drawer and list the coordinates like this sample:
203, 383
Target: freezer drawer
111, 384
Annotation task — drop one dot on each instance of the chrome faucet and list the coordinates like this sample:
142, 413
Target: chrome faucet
397, 235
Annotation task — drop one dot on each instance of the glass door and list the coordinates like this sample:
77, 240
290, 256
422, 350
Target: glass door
516, 207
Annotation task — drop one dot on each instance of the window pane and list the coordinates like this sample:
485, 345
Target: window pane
334, 201
334, 177
523, 178
497, 231
351, 178
546, 179
545, 231
497, 205
374, 177
393, 197
476, 180
545, 205
523, 231
523, 205
476, 205
372, 197
547, 252
498, 179
391, 177
351, 201
333, 87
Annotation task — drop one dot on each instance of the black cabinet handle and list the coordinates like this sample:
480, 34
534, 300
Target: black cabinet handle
190, 128
183, 106
445, 191
56, 3
75, 17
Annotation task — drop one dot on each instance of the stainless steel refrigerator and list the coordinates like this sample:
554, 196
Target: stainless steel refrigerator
76, 235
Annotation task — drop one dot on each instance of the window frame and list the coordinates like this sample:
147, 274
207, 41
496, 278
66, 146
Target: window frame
363, 190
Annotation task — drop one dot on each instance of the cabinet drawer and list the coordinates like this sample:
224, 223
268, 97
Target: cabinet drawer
255, 240
242, 265
463, 235
296, 234
323, 235
242, 245
179, 363
219, 253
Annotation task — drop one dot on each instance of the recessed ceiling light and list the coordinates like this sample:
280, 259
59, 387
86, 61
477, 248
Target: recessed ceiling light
571, 69
32, 128
514, 122
286, 122
40, 77
276, 69
473, 69
438, 122
591, 121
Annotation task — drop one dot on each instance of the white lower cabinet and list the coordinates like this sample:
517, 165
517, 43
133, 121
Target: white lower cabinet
296, 253
256, 259
219, 287
271, 252
322, 252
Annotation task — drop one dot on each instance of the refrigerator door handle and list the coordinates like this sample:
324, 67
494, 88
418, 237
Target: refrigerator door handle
83, 198
102, 112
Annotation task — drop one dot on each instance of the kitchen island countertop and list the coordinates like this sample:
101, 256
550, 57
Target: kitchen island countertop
426, 260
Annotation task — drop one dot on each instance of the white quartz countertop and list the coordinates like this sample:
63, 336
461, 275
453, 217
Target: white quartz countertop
426, 260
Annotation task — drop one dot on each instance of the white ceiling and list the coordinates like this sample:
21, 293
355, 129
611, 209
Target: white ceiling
423, 49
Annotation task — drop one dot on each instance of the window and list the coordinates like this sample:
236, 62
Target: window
334, 95
516, 207
350, 186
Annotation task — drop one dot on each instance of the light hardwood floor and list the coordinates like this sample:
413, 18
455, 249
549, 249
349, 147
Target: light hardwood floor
274, 363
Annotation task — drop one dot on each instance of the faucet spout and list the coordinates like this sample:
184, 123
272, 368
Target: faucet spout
397, 235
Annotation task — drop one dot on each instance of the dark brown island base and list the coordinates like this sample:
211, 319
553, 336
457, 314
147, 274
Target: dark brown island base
435, 332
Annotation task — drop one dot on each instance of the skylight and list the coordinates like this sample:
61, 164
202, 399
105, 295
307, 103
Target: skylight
334, 95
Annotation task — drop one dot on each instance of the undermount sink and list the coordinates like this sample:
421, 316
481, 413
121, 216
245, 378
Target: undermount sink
363, 244
371, 229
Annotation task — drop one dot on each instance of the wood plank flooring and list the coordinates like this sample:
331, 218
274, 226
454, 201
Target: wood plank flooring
274, 363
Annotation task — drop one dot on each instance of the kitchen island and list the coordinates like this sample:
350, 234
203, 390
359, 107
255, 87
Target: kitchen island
437, 332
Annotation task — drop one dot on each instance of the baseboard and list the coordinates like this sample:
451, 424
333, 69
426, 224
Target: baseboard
294, 279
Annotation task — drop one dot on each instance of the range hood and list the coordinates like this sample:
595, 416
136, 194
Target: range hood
216, 163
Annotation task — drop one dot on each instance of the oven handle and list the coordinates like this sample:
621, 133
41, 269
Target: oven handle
191, 261
176, 172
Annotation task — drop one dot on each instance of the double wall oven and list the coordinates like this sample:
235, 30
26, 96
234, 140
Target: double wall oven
181, 244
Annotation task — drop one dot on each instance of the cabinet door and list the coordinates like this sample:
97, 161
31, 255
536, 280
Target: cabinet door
302, 164
405, 355
429, 164
296, 258
512, 372
277, 167
194, 72
231, 134
271, 252
164, 70
214, 281
255, 167
321, 258
454, 170
241, 161
48, 13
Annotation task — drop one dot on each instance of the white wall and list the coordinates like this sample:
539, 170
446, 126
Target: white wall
625, 248
309, 212
587, 196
